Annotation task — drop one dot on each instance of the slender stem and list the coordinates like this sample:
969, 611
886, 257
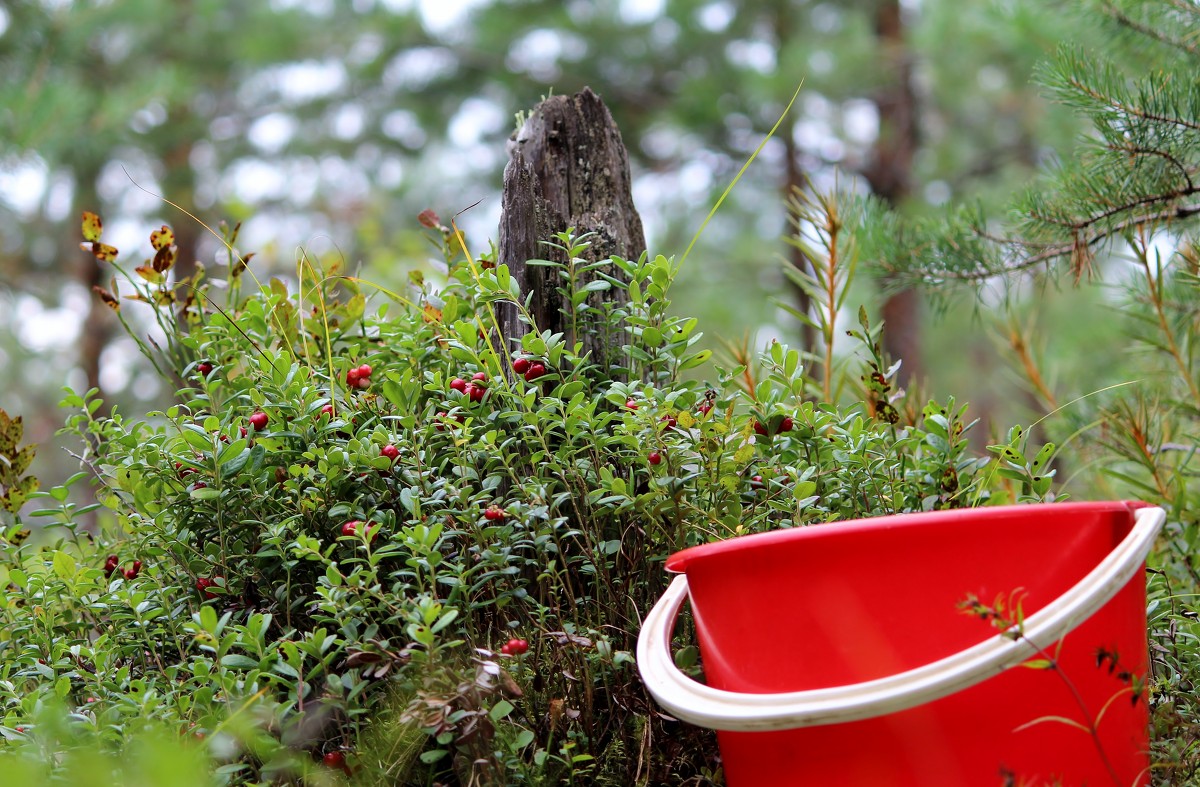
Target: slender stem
1154, 285
831, 300
1092, 726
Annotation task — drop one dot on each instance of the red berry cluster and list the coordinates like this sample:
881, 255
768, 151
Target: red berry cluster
530, 370
494, 513
203, 584
112, 565
359, 377
515, 647
474, 389
784, 426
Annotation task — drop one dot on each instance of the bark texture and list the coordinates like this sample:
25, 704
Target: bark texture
568, 167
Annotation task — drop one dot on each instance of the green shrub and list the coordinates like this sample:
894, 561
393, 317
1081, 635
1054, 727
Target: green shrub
305, 560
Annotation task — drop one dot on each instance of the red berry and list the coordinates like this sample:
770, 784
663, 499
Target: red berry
204, 583
786, 424
494, 513
759, 428
110, 565
242, 430
458, 384
204, 367
670, 419
476, 392
439, 418
479, 376
364, 370
134, 570
326, 410
199, 485
521, 365
756, 481
515, 647
351, 528
362, 383
352, 376
654, 457
631, 404
705, 407
334, 759
536, 370
390, 451
259, 420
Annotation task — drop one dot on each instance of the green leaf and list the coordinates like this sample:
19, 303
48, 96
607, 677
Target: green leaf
237, 661
687, 657
208, 619
445, 620
232, 450
500, 710
196, 437
64, 565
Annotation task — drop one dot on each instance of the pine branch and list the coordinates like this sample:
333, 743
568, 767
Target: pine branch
1150, 29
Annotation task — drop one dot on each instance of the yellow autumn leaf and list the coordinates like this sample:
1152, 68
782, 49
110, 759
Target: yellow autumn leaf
101, 251
162, 238
149, 274
92, 226
109, 300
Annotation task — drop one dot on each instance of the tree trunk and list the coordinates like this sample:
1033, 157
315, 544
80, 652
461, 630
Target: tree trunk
890, 177
568, 169
99, 323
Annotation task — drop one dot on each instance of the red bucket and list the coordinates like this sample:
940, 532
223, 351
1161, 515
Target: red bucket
839, 654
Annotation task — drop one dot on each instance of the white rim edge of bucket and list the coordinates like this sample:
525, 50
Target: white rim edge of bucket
705, 706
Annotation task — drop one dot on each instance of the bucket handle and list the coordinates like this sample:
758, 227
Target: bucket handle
717, 709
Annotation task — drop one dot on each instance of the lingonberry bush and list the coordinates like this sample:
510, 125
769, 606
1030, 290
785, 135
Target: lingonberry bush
368, 540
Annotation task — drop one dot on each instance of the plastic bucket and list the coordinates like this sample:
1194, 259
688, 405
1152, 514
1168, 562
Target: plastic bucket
838, 654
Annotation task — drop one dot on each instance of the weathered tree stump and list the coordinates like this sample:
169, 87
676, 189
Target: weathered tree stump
568, 168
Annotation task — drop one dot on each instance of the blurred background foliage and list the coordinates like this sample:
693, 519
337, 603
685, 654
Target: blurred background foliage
325, 126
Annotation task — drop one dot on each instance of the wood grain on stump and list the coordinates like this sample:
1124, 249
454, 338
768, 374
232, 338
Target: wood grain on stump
568, 167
